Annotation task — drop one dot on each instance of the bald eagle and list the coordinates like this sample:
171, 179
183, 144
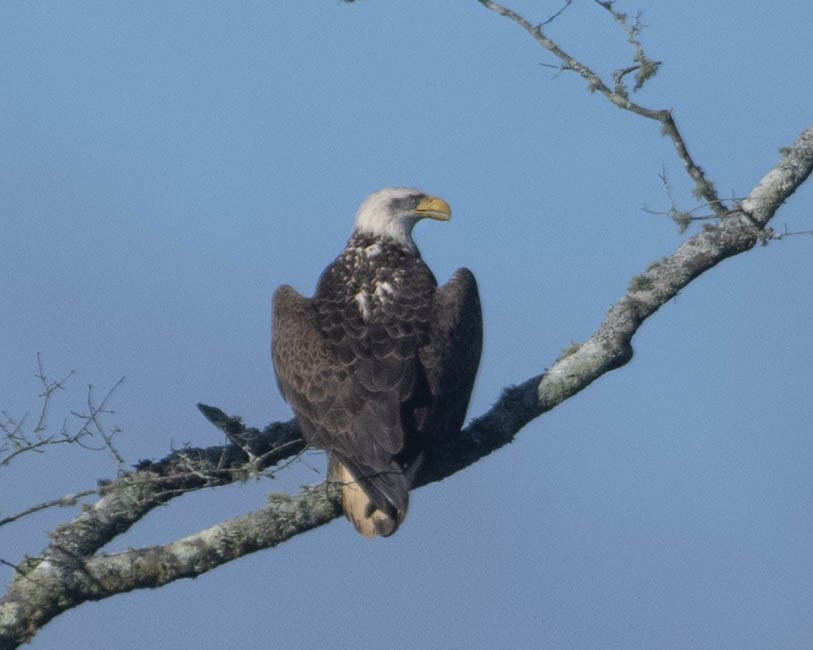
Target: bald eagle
379, 365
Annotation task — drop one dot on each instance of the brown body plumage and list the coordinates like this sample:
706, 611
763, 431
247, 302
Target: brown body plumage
380, 363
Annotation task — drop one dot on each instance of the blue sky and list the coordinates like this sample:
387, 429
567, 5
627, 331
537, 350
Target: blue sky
164, 166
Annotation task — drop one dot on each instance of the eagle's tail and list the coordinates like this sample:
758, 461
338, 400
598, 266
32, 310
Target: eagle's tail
376, 503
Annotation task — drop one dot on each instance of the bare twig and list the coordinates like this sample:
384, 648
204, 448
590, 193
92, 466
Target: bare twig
557, 13
789, 233
15, 436
92, 424
645, 67
66, 501
13, 566
17, 440
703, 187
49, 390
683, 218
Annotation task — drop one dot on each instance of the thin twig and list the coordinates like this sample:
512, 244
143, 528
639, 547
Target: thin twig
645, 67
557, 13
789, 233
49, 390
66, 501
703, 187
19, 441
91, 422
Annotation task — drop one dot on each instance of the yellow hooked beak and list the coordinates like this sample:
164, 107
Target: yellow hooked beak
434, 208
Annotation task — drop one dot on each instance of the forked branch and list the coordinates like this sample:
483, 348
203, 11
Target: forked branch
704, 188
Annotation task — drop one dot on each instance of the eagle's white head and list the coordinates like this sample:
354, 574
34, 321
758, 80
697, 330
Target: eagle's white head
394, 211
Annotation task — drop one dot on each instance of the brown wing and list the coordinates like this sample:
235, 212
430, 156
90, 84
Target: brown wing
308, 378
346, 382
453, 355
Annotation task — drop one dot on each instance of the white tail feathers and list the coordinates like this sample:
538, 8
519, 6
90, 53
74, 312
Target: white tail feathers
368, 520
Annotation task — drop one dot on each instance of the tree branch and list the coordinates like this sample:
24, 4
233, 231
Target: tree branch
65, 501
64, 580
704, 188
